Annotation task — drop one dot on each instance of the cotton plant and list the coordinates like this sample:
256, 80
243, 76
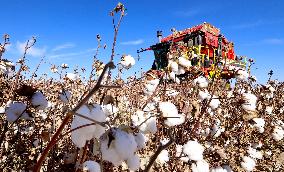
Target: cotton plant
171, 115
117, 146
80, 136
127, 61
39, 101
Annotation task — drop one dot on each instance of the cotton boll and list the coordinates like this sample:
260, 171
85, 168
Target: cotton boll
248, 163
140, 140
214, 103
125, 144
163, 157
174, 120
173, 66
201, 81
259, 124
133, 162
242, 75
72, 76
250, 102
65, 96
172, 93
200, 166
278, 133
202, 95
91, 166
168, 109
269, 110
149, 121
193, 150
173, 77
97, 113
127, 61
181, 70
218, 169
184, 62
109, 109
14, 110
151, 126
227, 168
80, 136
254, 153
39, 101
109, 153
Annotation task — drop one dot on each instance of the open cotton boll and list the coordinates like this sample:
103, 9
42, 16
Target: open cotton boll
242, 75
97, 113
259, 124
14, 110
278, 133
180, 71
65, 96
254, 153
109, 109
175, 119
201, 81
133, 162
173, 66
250, 102
148, 125
140, 140
109, 152
168, 109
72, 76
214, 103
125, 144
218, 169
202, 95
193, 150
173, 77
127, 61
91, 166
184, 62
248, 163
200, 166
269, 110
39, 101
163, 157
227, 168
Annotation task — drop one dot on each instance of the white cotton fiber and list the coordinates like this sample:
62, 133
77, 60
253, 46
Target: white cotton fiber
39, 101
193, 150
133, 162
91, 166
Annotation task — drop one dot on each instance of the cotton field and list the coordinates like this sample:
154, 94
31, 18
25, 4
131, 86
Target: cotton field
156, 122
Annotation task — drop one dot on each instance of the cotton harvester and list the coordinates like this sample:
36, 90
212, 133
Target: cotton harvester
207, 50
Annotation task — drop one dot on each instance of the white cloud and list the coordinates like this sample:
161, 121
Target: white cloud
133, 42
85, 52
63, 46
33, 51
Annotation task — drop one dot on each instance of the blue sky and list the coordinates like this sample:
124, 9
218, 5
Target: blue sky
66, 30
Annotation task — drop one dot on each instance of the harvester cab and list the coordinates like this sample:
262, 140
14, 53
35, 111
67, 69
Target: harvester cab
204, 46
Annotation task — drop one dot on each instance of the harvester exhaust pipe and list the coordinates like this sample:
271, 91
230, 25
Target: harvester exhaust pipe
159, 36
